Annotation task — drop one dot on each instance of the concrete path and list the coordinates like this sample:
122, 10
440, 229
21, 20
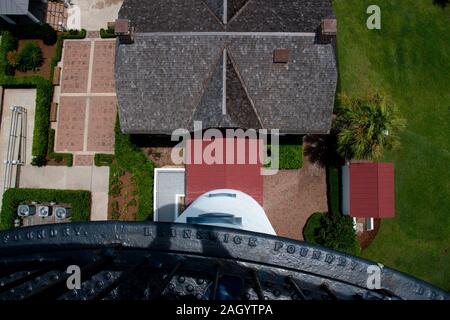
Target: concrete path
94, 14
95, 179
15, 97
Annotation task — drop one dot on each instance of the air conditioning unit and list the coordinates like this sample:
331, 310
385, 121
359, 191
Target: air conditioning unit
61, 212
25, 210
44, 211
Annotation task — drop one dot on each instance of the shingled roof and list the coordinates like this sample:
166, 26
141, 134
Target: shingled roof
198, 60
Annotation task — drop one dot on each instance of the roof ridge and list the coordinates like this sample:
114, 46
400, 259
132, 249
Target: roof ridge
206, 85
229, 55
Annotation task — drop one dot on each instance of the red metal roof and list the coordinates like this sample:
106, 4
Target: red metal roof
203, 177
372, 190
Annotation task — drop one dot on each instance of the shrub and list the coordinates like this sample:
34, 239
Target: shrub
80, 202
74, 34
102, 159
107, 33
30, 57
8, 43
311, 228
13, 58
47, 34
332, 230
39, 161
366, 126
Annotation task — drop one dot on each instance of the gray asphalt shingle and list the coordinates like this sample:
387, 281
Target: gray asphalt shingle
167, 80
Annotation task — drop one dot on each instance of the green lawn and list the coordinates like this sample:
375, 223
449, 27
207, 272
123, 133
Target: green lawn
409, 60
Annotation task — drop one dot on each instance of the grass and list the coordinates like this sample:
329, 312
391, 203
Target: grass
409, 60
290, 153
130, 157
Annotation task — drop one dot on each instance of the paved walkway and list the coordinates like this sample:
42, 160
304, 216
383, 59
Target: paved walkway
87, 98
94, 179
15, 97
94, 14
292, 196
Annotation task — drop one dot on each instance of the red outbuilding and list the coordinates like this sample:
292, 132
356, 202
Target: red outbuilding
368, 190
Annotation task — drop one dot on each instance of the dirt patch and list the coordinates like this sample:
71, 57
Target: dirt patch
365, 238
122, 200
161, 156
48, 52
55, 162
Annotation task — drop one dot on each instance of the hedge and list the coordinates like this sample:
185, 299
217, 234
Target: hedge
103, 159
80, 202
131, 158
67, 157
334, 193
107, 33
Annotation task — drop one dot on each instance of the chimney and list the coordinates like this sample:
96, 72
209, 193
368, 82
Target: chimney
124, 31
281, 55
328, 30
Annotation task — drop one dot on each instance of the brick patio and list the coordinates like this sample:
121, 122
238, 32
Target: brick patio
71, 119
76, 66
292, 196
87, 101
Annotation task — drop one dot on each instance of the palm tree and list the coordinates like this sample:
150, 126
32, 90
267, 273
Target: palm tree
366, 127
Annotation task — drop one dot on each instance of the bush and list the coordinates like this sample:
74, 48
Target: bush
47, 34
30, 57
67, 157
332, 230
107, 33
80, 202
39, 161
13, 58
311, 227
102, 159
74, 34
8, 43
129, 157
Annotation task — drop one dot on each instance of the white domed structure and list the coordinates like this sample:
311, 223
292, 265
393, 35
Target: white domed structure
227, 208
